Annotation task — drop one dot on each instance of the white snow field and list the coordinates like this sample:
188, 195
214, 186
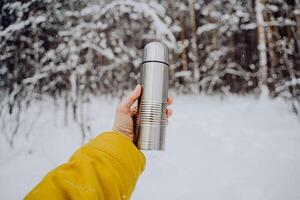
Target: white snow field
238, 148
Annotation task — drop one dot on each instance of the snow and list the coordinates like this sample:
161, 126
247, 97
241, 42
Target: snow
183, 74
282, 86
233, 148
296, 12
20, 25
206, 28
248, 26
153, 11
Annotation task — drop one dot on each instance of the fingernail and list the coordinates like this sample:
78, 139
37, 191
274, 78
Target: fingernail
136, 87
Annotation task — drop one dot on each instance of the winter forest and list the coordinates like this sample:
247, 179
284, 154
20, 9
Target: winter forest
71, 49
68, 52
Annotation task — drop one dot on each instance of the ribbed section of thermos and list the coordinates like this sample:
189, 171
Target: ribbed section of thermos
152, 118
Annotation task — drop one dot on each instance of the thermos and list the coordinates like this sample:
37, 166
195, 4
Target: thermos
152, 117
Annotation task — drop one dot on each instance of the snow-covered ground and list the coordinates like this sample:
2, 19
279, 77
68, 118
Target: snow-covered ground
238, 148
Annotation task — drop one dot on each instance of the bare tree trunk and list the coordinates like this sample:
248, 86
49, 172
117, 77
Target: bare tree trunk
81, 122
272, 30
183, 55
194, 46
297, 16
262, 48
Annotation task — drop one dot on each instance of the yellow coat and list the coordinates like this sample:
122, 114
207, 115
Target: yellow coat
105, 168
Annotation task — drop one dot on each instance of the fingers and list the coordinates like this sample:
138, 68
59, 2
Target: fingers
127, 103
130, 99
169, 100
133, 111
169, 112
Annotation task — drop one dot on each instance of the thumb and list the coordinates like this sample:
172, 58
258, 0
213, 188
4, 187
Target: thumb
130, 99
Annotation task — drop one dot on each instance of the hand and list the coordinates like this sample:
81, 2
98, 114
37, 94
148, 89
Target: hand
126, 112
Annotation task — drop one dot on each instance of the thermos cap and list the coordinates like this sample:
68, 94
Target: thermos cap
156, 52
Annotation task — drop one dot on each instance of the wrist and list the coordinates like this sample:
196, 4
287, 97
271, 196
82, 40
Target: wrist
128, 136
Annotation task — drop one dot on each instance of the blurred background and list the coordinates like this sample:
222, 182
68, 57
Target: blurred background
234, 73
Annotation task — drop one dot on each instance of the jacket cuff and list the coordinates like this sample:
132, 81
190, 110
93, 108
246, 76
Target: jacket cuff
121, 148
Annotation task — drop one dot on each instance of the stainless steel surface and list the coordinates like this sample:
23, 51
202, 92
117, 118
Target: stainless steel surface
156, 51
152, 119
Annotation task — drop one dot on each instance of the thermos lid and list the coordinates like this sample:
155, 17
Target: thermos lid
156, 52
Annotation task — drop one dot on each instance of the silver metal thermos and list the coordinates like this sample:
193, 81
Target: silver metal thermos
152, 117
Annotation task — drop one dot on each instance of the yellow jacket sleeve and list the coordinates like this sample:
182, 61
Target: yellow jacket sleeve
105, 168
